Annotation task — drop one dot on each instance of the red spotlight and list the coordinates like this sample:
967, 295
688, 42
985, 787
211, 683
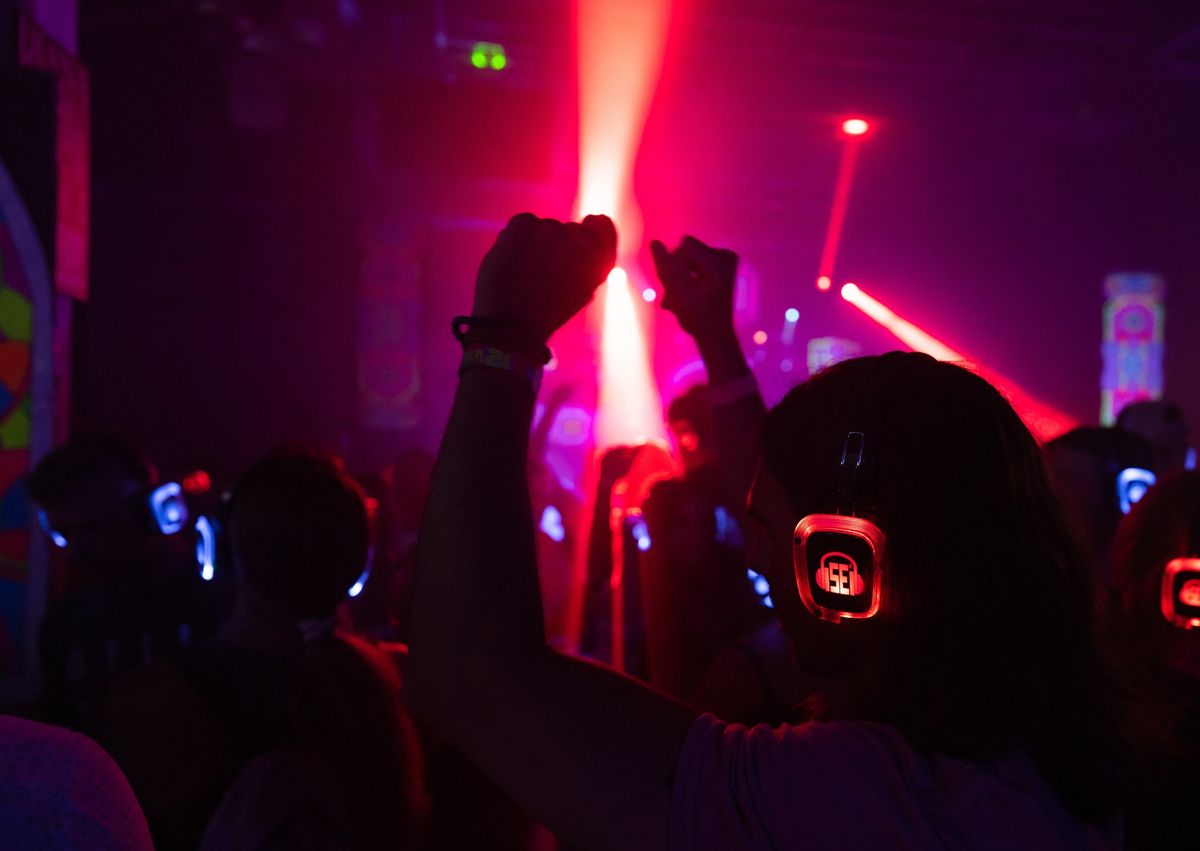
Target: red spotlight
856, 126
824, 283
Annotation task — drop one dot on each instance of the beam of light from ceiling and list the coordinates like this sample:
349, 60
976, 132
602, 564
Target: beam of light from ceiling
1045, 421
853, 130
620, 53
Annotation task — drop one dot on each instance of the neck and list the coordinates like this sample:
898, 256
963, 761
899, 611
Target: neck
257, 627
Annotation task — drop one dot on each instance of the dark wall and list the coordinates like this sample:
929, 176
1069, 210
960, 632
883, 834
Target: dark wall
221, 318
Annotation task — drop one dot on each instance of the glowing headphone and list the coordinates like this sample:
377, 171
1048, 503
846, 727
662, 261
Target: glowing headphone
213, 549
838, 558
1132, 484
1179, 597
168, 513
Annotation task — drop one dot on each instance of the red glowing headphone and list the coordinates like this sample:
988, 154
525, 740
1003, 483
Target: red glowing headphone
1179, 597
838, 558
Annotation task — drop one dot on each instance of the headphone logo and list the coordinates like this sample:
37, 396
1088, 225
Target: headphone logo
838, 574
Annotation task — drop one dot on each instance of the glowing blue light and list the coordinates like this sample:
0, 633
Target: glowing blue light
170, 512
357, 587
641, 534
552, 524
59, 540
1132, 484
762, 587
1190, 462
722, 518
206, 548
791, 315
649, 294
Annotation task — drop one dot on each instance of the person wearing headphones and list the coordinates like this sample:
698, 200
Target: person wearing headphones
918, 559
324, 752
1156, 564
132, 591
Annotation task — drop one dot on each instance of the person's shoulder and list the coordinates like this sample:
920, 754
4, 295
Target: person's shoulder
40, 748
65, 790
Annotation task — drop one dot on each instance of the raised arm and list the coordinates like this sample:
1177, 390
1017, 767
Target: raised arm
590, 753
698, 287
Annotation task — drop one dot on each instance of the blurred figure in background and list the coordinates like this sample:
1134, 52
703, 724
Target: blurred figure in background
134, 593
326, 754
1099, 473
695, 595
1157, 574
1161, 423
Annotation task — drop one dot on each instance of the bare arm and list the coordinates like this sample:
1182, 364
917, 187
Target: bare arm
698, 281
589, 752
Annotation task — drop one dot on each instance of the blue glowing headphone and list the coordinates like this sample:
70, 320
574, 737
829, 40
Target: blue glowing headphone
213, 550
168, 513
1132, 484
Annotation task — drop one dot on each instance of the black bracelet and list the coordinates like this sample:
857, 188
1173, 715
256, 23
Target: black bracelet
500, 332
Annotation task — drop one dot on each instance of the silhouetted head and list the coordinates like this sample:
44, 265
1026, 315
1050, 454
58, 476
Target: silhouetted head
986, 615
1086, 463
94, 492
1161, 423
300, 533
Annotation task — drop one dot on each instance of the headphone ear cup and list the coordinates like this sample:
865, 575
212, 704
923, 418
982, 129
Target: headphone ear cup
838, 561
1180, 595
168, 509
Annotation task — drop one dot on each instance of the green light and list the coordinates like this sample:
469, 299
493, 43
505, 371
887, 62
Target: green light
479, 58
499, 61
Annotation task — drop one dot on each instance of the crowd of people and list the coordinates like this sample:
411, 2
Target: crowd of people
878, 614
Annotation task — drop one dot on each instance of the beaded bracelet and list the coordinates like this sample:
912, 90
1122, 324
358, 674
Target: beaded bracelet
500, 333
478, 356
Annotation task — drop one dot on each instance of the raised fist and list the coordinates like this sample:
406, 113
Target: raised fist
698, 284
541, 272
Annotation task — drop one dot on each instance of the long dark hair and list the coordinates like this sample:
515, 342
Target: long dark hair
987, 639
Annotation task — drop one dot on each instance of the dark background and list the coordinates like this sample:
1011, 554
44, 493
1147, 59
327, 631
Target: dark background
246, 152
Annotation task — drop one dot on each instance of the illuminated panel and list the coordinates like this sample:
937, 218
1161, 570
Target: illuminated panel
1044, 421
1133, 345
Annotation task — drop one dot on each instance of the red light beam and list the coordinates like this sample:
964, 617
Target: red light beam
1045, 421
837, 214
